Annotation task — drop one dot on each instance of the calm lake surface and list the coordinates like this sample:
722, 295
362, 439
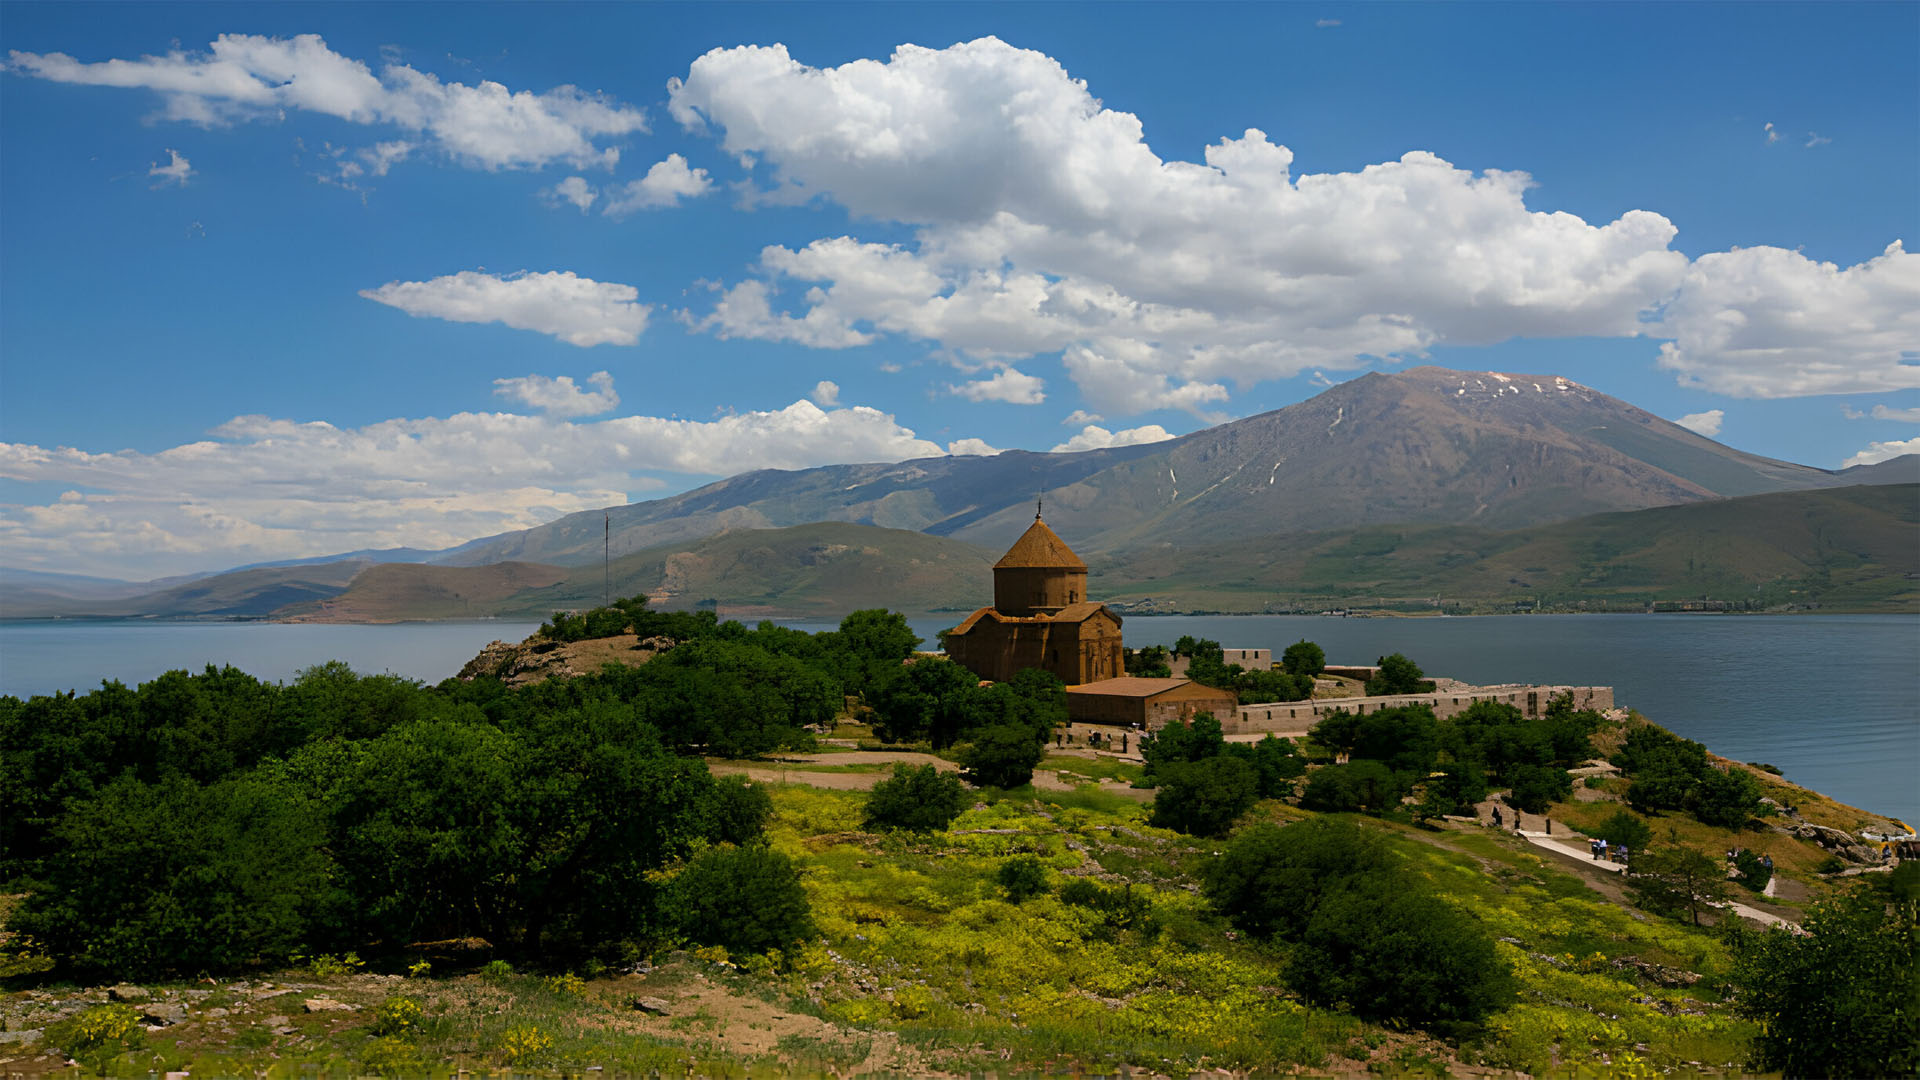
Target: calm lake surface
1833, 700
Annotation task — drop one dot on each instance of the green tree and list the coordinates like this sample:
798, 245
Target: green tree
1672, 878
918, 799
1149, 662
1270, 879
1362, 785
1386, 951
1625, 829
1457, 788
1303, 657
1273, 761
921, 699
1841, 998
1534, 788
748, 899
1179, 741
1724, 798
1205, 797
1398, 675
1002, 756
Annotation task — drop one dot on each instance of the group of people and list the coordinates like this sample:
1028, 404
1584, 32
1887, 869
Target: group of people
1096, 740
1733, 855
1605, 852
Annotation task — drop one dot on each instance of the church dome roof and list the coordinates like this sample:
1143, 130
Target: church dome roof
1040, 548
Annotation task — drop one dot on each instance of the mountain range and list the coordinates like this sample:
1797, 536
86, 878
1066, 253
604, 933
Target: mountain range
1483, 454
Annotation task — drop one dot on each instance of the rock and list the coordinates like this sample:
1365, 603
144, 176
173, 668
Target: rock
326, 1004
129, 993
279, 1025
20, 1038
216, 1014
164, 1014
271, 994
654, 1005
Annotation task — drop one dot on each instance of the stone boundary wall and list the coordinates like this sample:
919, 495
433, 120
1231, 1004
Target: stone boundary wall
1295, 717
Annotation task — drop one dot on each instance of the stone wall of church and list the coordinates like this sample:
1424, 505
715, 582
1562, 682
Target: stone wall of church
1023, 591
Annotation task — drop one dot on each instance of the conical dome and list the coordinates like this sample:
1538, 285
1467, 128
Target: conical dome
1039, 548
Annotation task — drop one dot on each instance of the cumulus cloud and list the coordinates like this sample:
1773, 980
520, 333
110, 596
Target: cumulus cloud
665, 184
560, 396
574, 190
263, 488
1082, 416
1883, 412
1703, 423
1095, 437
1044, 223
577, 310
1882, 451
1765, 322
826, 393
246, 76
971, 447
1010, 386
175, 171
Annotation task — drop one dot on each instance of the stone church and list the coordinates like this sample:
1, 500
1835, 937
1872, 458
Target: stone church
1040, 618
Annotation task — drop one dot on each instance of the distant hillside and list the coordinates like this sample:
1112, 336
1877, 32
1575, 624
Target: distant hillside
822, 569
1425, 446
252, 593
1845, 549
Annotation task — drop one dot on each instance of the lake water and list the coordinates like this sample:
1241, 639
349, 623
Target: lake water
1832, 700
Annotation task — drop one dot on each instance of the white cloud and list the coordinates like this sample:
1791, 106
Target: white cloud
1703, 423
577, 310
560, 396
1010, 386
175, 171
262, 488
245, 77
970, 447
1772, 135
1044, 223
665, 184
1882, 412
1082, 416
574, 190
1765, 322
1882, 451
1814, 139
1095, 437
1326, 24
826, 393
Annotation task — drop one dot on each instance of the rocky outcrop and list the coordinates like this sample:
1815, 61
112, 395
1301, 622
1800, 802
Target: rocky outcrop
1845, 846
538, 659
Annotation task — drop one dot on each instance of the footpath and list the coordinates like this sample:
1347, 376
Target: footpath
1576, 850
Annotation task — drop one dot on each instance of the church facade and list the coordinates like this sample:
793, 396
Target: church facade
1040, 618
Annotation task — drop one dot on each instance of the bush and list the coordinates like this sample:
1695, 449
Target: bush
1750, 871
1838, 999
1273, 761
1002, 756
1457, 789
921, 799
1398, 675
1204, 798
1386, 951
1536, 787
1624, 829
1179, 742
1118, 908
1024, 878
746, 899
96, 1037
1269, 879
1363, 785
1303, 657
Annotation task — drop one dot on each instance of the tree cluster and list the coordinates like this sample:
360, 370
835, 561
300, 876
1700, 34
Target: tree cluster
1205, 783
1206, 665
1359, 933
1671, 773
207, 822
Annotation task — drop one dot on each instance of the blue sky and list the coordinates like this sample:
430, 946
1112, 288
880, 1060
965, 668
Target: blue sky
286, 280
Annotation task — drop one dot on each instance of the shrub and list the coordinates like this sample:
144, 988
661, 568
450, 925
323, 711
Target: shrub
1361, 785
919, 799
1387, 951
1273, 761
1837, 999
397, 1016
747, 900
1180, 742
1673, 879
1536, 787
1002, 756
97, 1036
1624, 829
1119, 907
1398, 675
1750, 871
1269, 879
524, 1044
1023, 877
1303, 657
1204, 798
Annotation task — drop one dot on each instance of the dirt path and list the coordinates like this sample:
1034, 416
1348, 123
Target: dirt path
804, 769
